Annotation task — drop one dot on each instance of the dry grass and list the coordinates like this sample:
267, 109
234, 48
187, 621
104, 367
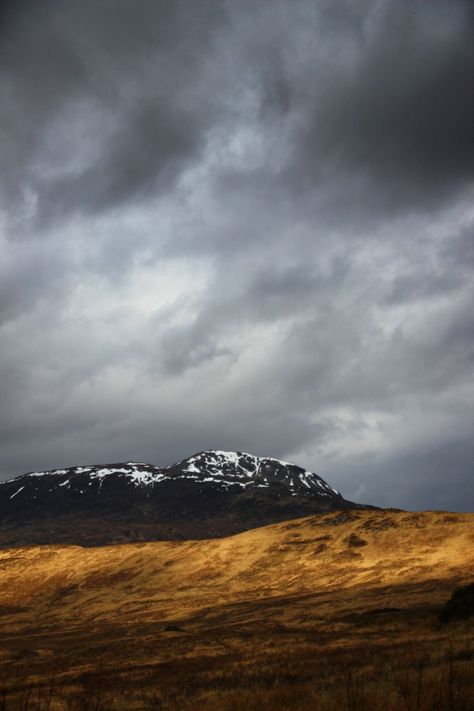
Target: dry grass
332, 612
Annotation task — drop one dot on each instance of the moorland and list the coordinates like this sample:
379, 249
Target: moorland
332, 611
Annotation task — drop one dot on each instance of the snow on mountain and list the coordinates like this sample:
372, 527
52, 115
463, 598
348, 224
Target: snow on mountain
211, 494
219, 468
247, 470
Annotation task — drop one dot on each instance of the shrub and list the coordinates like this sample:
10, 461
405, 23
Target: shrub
460, 605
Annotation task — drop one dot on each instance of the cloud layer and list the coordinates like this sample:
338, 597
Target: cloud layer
244, 227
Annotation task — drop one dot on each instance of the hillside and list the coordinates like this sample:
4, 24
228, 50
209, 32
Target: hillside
353, 580
210, 494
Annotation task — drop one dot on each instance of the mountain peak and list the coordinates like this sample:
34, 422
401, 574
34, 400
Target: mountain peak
247, 470
211, 493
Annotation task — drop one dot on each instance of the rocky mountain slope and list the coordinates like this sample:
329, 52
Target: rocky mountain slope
210, 494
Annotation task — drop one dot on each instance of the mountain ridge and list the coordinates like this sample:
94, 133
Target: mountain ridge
210, 494
250, 469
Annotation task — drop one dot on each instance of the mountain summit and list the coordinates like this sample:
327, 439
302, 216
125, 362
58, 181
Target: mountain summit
210, 494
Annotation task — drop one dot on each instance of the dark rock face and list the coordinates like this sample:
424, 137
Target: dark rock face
210, 494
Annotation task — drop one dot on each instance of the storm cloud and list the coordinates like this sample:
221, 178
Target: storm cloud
245, 226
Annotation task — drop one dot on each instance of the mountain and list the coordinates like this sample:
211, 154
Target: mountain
210, 494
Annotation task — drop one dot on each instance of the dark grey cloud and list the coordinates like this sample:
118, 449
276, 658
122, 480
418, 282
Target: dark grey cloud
114, 85
139, 157
240, 226
383, 97
439, 477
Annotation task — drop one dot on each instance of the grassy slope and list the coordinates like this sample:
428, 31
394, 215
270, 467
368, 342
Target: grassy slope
365, 582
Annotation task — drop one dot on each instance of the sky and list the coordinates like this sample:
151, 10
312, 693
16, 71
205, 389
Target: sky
245, 226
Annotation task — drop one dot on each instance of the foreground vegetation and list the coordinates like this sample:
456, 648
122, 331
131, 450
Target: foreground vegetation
301, 616
283, 670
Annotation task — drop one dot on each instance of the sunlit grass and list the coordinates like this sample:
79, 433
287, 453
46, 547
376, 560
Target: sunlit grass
292, 616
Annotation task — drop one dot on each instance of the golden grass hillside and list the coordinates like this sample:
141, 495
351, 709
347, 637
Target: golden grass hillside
286, 611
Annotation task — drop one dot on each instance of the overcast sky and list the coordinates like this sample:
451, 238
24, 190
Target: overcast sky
241, 225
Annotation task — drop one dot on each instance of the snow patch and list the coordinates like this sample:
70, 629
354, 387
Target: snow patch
17, 492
